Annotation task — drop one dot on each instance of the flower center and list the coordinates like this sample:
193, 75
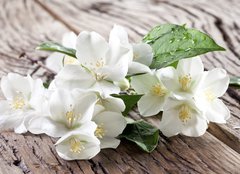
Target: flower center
99, 63
71, 117
158, 90
185, 82
76, 146
184, 113
100, 132
209, 95
69, 60
18, 102
99, 76
136, 56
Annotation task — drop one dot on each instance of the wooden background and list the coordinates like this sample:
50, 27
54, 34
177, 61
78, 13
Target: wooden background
26, 23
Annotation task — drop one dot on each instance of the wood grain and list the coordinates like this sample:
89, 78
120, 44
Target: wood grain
24, 24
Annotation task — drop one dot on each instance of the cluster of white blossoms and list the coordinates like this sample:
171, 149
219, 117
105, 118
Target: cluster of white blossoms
187, 95
78, 107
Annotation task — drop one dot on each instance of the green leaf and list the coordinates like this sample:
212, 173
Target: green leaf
143, 134
129, 100
55, 47
171, 43
235, 81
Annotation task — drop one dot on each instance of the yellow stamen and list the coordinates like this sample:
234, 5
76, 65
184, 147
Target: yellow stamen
136, 56
100, 63
185, 82
184, 113
71, 118
158, 90
76, 145
209, 95
68, 60
18, 102
100, 132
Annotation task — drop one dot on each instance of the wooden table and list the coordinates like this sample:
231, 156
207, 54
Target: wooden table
26, 23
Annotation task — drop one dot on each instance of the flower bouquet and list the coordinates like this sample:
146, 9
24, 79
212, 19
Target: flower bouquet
97, 82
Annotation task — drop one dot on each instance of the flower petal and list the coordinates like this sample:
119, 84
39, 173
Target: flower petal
40, 125
170, 125
169, 78
118, 32
61, 102
136, 67
113, 104
191, 66
142, 84
109, 142
216, 81
142, 53
13, 83
91, 146
195, 127
84, 106
69, 40
55, 61
150, 105
73, 76
113, 123
105, 88
217, 112
90, 47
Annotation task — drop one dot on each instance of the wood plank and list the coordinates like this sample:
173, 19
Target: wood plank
23, 27
220, 20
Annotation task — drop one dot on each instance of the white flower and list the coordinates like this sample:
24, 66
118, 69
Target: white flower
79, 144
182, 116
185, 79
68, 111
141, 55
25, 99
109, 126
102, 63
153, 90
56, 60
214, 84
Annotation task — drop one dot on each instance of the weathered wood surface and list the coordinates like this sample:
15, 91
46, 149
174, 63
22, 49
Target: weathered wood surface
24, 24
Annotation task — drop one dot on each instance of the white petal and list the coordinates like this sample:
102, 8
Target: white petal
143, 53
84, 106
90, 46
21, 128
105, 88
113, 123
73, 76
118, 32
4, 106
195, 127
113, 104
169, 78
109, 142
91, 146
217, 111
61, 102
69, 40
150, 105
142, 84
170, 125
136, 67
115, 72
55, 61
191, 66
217, 81
48, 126
13, 83
11, 120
